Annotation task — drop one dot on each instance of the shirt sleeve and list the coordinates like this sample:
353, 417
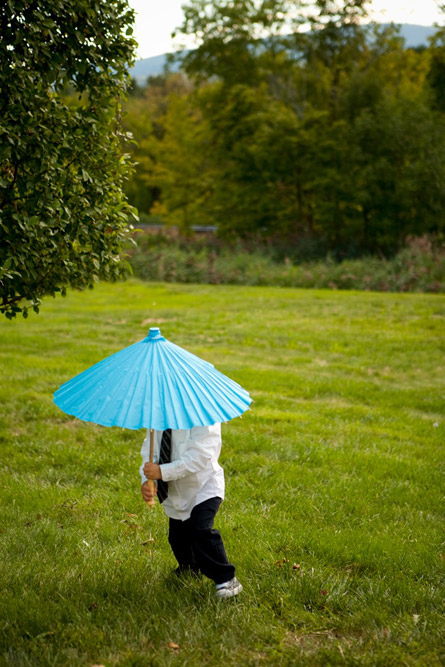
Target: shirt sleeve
204, 447
145, 453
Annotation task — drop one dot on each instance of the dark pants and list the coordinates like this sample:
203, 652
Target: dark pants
198, 546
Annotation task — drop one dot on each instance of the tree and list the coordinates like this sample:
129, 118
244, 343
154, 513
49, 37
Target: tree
436, 74
145, 117
241, 42
63, 76
182, 169
233, 37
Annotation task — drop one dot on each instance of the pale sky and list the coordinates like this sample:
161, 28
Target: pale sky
156, 19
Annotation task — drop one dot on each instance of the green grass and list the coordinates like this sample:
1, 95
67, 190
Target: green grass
336, 468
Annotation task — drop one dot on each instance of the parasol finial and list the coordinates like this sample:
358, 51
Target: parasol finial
155, 334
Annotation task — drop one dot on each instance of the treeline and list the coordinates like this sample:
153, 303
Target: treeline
331, 138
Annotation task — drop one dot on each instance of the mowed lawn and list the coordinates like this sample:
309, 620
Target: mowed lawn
333, 511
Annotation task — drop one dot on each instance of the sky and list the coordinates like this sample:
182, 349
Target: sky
156, 19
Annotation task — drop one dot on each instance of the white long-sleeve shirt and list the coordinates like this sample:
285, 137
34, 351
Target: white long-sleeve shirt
194, 474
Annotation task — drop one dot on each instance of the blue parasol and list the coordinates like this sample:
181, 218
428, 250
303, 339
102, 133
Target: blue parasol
153, 384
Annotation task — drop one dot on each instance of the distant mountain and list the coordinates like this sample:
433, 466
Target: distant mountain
148, 67
414, 35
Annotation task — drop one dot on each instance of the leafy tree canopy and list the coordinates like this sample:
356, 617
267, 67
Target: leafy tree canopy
238, 41
63, 215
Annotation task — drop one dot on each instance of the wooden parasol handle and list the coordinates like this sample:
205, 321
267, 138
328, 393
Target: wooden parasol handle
151, 484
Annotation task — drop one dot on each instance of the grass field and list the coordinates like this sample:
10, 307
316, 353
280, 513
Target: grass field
336, 469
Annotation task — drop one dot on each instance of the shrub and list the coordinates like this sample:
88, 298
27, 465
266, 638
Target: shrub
418, 267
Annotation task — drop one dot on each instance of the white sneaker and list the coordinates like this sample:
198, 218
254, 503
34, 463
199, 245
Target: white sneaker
228, 589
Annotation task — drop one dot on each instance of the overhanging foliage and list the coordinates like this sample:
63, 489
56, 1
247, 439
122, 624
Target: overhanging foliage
63, 75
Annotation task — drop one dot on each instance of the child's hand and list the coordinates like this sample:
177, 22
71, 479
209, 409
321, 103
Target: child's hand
148, 491
152, 471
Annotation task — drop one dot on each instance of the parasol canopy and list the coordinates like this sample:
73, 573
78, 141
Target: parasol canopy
153, 384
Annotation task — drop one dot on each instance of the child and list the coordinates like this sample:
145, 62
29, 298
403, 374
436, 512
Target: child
190, 485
